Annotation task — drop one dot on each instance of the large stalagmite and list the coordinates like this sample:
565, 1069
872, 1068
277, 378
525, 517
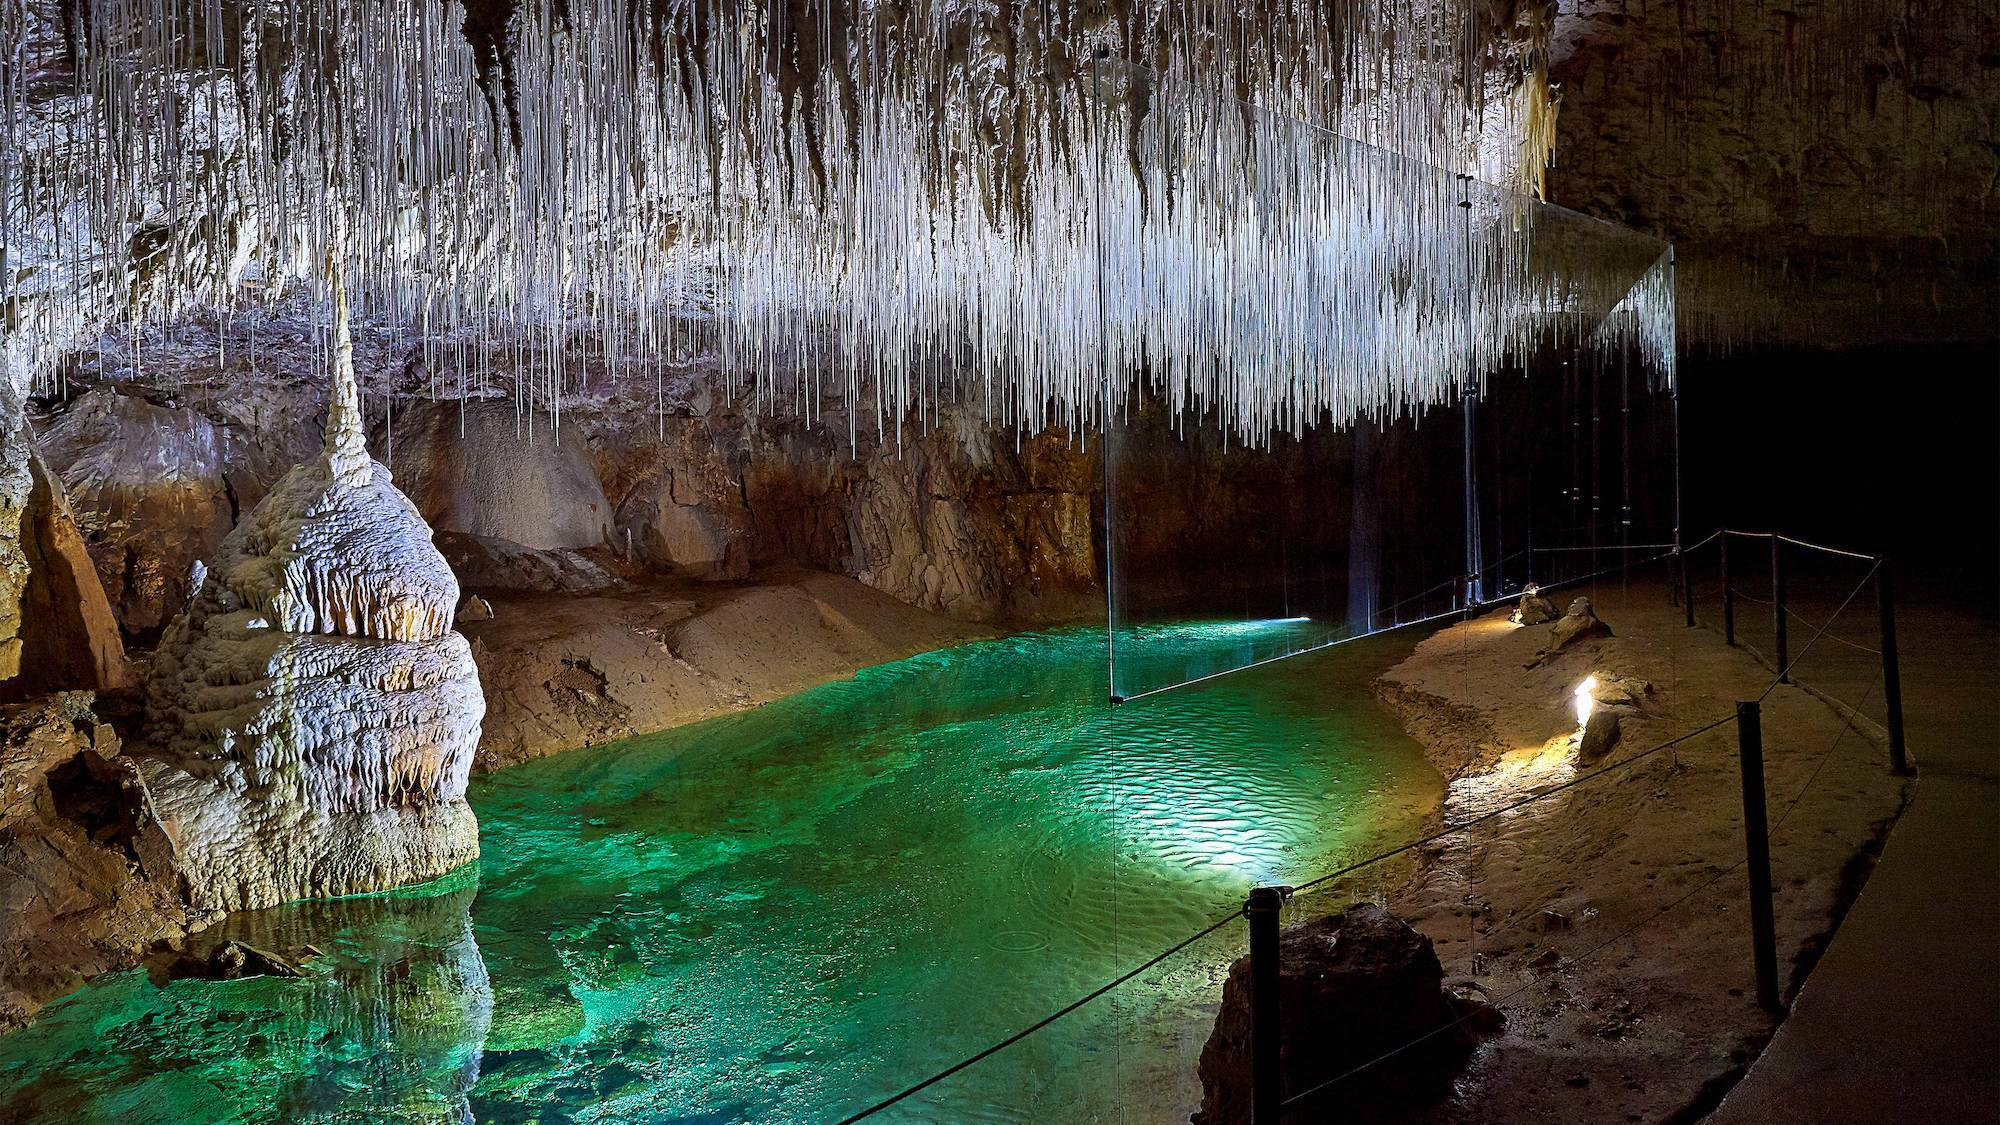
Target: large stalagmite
314, 716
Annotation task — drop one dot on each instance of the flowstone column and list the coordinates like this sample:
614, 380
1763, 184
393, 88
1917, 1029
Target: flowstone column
312, 714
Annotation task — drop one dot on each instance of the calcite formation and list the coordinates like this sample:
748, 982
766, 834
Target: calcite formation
313, 715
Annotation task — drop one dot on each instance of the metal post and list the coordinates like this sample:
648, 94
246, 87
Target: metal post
1728, 596
1778, 609
1266, 1083
1687, 587
1757, 853
1892, 675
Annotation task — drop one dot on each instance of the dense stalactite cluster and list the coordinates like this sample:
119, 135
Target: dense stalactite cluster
855, 203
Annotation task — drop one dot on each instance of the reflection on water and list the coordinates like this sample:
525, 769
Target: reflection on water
786, 914
389, 1022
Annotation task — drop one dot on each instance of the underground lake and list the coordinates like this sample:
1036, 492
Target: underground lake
792, 912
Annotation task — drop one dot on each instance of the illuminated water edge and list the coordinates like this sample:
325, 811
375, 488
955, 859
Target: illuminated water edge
785, 914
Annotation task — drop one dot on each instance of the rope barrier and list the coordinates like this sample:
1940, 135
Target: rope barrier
1458, 611
1807, 544
1607, 547
1835, 637
1349, 869
1825, 757
1830, 550
1037, 1025
1786, 671
1700, 543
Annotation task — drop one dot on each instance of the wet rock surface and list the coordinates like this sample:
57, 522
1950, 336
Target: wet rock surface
1353, 986
85, 883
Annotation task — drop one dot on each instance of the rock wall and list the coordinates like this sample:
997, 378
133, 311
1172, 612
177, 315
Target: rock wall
1826, 168
67, 636
489, 470
85, 883
958, 519
157, 485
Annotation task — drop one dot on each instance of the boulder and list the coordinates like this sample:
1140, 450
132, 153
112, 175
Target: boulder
85, 876
1578, 622
483, 469
1353, 986
1600, 734
312, 716
1535, 608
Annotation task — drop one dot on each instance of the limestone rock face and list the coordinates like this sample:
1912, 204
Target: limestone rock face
675, 523
493, 473
67, 637
313, 716
156, 488
84, 879
958, 519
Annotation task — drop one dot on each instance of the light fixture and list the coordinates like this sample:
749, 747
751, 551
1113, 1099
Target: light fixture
1586, 700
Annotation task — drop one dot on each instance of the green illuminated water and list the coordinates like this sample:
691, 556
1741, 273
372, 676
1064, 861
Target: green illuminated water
786, 914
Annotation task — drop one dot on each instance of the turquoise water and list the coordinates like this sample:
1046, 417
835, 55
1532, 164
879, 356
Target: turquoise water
787, 914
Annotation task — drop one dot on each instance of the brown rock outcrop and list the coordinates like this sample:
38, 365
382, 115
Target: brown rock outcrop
84, 882
155, 489
957, 519
67, 637
1353, 987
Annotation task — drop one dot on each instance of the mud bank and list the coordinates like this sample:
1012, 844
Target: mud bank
563, 670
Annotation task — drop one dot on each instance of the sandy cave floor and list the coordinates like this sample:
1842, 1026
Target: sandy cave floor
1609, 921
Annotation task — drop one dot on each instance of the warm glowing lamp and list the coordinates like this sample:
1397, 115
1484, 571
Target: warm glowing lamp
1586, 700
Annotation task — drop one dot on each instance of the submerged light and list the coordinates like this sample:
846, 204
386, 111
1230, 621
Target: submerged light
1586, 699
